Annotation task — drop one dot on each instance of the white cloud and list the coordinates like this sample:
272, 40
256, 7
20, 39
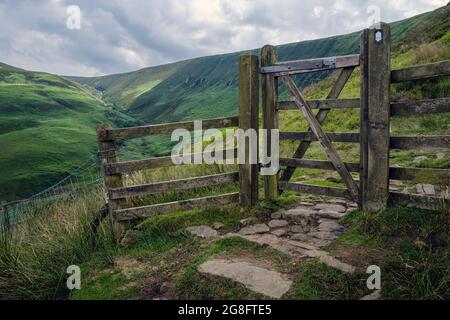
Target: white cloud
118, 36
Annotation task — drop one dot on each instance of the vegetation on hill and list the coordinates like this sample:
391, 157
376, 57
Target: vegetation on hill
47, 128
206, 87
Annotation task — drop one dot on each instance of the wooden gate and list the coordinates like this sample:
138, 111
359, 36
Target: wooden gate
372, 190
272, 72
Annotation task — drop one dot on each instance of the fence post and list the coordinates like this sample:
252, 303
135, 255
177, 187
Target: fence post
269, 57
375, 117
248, 119
107, 154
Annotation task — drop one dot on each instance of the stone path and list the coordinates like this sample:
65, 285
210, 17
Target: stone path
267, 282
300, 232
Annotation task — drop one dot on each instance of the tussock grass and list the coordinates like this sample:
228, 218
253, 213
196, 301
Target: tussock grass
34, 257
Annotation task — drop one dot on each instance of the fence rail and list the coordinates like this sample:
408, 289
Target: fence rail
426, 71
117, 193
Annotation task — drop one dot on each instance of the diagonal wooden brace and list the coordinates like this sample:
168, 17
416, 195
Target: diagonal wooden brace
342, 79
324, 140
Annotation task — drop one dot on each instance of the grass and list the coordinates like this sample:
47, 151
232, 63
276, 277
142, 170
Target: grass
410, 246
35, 256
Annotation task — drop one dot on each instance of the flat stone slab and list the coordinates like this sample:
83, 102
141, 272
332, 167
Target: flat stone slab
297, 249
254, 229
249, 221
331, 214
204, 232
334, 207
298, 214
376, 295
278, 224
279, 232
267, 282
329, 225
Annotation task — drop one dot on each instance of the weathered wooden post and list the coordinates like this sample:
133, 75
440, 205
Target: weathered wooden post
108, 155
269, 57
248, 119
375, 115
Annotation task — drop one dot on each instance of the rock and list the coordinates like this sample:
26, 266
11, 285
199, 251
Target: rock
254, 229
298, 214
276, 215
331, 261
323, 235
419, 159
279, 232
131, 237
264, 281
218, 225
249, 221
204, 232
300, 237
278, 224
440, 156
426, 189
340, 201
296, 229
331, 214
307, 204
297, 249
331, 207
376, 295
327, 225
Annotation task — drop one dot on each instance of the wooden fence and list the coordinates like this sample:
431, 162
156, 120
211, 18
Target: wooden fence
372, 191
117, 193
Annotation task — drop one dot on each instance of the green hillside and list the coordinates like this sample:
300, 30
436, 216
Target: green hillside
47, 128
206, 87
47, 123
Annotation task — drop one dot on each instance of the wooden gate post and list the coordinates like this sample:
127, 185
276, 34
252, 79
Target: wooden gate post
248, 119
269, 57
107, 154
375, 115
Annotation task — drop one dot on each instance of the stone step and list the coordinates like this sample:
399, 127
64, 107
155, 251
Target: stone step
296, 249
261, 280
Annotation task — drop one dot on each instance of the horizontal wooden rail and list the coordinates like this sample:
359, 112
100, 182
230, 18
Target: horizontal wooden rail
316, 190
322, 104
157, 209
437, 69
168, 128
309, 136
436, 176
175, 185
420, 107
408, 143
398, 199
315, 164
311, 65
161, 162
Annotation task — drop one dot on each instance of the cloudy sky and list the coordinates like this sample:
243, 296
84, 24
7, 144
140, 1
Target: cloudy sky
115, 36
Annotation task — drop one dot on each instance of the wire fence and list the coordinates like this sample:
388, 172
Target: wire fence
83, 178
